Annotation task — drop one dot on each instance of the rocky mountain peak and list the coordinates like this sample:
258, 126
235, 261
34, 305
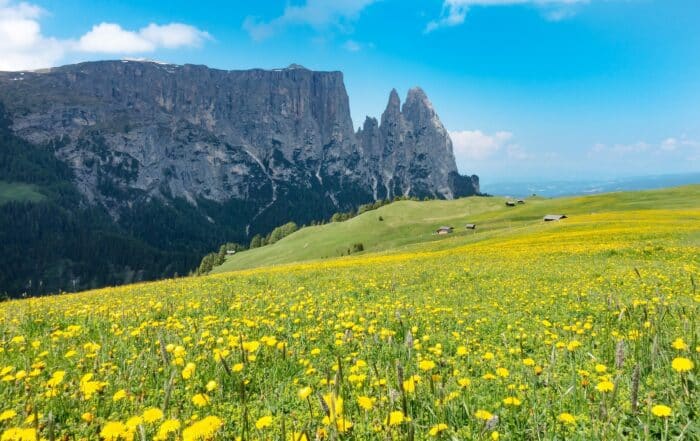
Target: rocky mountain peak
274, 140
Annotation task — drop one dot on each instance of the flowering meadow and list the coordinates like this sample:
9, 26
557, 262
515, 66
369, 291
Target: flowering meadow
586, 328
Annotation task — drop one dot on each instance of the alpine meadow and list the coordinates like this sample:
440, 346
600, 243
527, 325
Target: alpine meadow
350, 220
585, 328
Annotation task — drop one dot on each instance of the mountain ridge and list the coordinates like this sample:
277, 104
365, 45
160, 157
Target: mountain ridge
184, 157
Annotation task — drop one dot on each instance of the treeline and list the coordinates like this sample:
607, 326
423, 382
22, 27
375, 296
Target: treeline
275, 235
217, 258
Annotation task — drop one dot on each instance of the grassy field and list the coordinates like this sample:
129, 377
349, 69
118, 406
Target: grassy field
410, 222
14, 191
581, 329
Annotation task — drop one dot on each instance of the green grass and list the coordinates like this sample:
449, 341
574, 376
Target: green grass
16, 191
407, 223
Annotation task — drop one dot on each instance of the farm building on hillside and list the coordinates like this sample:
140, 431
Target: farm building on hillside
230, 252
554, 217
521, 201
444, 230
471, 227
510, 204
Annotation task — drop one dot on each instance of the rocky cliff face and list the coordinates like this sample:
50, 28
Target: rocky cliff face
273, 145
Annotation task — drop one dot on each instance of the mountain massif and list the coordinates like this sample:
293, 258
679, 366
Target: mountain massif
176, 159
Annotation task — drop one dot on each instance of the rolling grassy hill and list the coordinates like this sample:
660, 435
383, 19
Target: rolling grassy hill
410, 225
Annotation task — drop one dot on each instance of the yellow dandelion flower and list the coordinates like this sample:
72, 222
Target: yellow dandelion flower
263, 422
566, 418
682, 364
396, 418
200, 400
115, 431
605, 386
304, 392
426, 365
438, 429
483, 414
365, 403
661, 411
152, 414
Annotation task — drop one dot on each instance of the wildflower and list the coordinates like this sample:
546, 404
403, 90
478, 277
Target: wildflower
396, 418
133, 423
409, 385
529, 362
165, 429
87, 417
188, 371
573, 345
119, 395
7, 415
426, 365
200, 400
679, 344
114, 431
19, 434
438, 429
661, 411
600, 368
566, 418
483, 414
202, 430
304, 392
512, 401
605, 386
263, 422
56, 379
682, 364
464, 382
365, 403
211, 386
151, 415
502, 372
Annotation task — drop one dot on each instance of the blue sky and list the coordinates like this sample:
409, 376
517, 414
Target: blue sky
544, 89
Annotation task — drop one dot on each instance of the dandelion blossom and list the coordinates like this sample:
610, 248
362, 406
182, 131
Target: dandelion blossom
682, 364
661, 411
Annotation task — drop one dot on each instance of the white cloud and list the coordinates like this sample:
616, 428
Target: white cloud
110, 38
477, 145
21, 43
454, 12
23, 46
318, 14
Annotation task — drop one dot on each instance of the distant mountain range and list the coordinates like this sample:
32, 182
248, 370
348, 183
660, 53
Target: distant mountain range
164, 162
572, 188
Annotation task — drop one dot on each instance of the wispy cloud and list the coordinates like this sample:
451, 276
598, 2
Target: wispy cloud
454, 12
477, 145
23, 45
681, 147
318, 14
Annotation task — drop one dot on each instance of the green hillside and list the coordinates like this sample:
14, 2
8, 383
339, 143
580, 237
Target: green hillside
410, 222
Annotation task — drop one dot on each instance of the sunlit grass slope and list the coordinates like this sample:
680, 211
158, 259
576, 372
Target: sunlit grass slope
583, 329
410, 222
